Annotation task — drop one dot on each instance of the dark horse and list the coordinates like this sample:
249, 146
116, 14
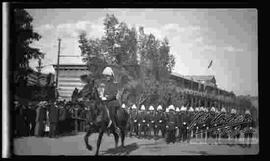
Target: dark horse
98, 120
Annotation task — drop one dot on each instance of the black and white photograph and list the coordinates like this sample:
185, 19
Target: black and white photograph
131, 81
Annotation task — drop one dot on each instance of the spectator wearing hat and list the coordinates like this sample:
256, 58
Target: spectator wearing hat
41, 119
32, 119
19, 120
53, 119
26, 115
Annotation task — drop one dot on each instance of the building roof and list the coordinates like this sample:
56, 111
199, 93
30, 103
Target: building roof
200, 77
71, 66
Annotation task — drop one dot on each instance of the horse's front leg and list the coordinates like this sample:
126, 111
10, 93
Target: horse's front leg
88, 133
99, 141
116, 138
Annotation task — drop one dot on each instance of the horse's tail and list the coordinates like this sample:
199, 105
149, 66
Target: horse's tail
123, 117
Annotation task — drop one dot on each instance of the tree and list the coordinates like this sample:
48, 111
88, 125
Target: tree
24, 37
92, 54
142, 60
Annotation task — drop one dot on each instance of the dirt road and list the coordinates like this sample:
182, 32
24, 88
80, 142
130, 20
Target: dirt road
74, 145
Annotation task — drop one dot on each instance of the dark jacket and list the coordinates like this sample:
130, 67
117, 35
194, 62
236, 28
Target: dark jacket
110, 91
42, 114
53, 114
32, 115
62, 114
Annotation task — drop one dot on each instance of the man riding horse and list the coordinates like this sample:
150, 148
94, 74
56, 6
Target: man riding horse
108, 90
102, 98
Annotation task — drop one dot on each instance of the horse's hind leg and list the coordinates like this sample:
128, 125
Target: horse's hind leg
122, 137
99, 141
116, 138
88, 133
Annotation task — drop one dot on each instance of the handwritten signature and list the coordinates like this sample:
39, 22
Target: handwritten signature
221, 123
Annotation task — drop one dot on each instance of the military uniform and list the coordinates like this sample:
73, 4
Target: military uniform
184, 130
109, 92
159, 122
248, 128
143, 121
133, 121
171, 121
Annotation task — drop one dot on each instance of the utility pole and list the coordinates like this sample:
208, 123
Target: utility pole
39, 69
58, 57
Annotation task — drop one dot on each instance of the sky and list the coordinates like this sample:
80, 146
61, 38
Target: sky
228, 37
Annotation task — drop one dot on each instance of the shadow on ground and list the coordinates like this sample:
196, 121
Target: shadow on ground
122, 150
197, 152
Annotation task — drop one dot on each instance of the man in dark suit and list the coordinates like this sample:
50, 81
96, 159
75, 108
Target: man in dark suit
53, 119
41, 119
32, 118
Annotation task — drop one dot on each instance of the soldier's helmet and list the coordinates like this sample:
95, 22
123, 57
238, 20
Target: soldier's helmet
123, 105
134, 107
143, 108
201, 108
197, 109
233, 111
177, 109
167, 110
171, 107
247, 112
191, 109
151, 108
108, 71
223, 110
183, 108
212, 109
159, 107
217, 111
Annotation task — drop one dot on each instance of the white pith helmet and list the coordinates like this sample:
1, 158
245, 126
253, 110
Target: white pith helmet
151, 108
171, 107
183, 108
191, 109
233, 111
133, 106
108, 71
213, 109
247, 112
143, 107
177, 109
159, 107
123, 105
223, 110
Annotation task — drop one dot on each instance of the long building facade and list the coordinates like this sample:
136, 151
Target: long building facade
69, 79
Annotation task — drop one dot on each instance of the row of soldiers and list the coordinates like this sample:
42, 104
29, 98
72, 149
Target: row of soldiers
174, 123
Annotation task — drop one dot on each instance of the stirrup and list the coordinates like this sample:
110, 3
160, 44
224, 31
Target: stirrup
110, 123
117, 130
